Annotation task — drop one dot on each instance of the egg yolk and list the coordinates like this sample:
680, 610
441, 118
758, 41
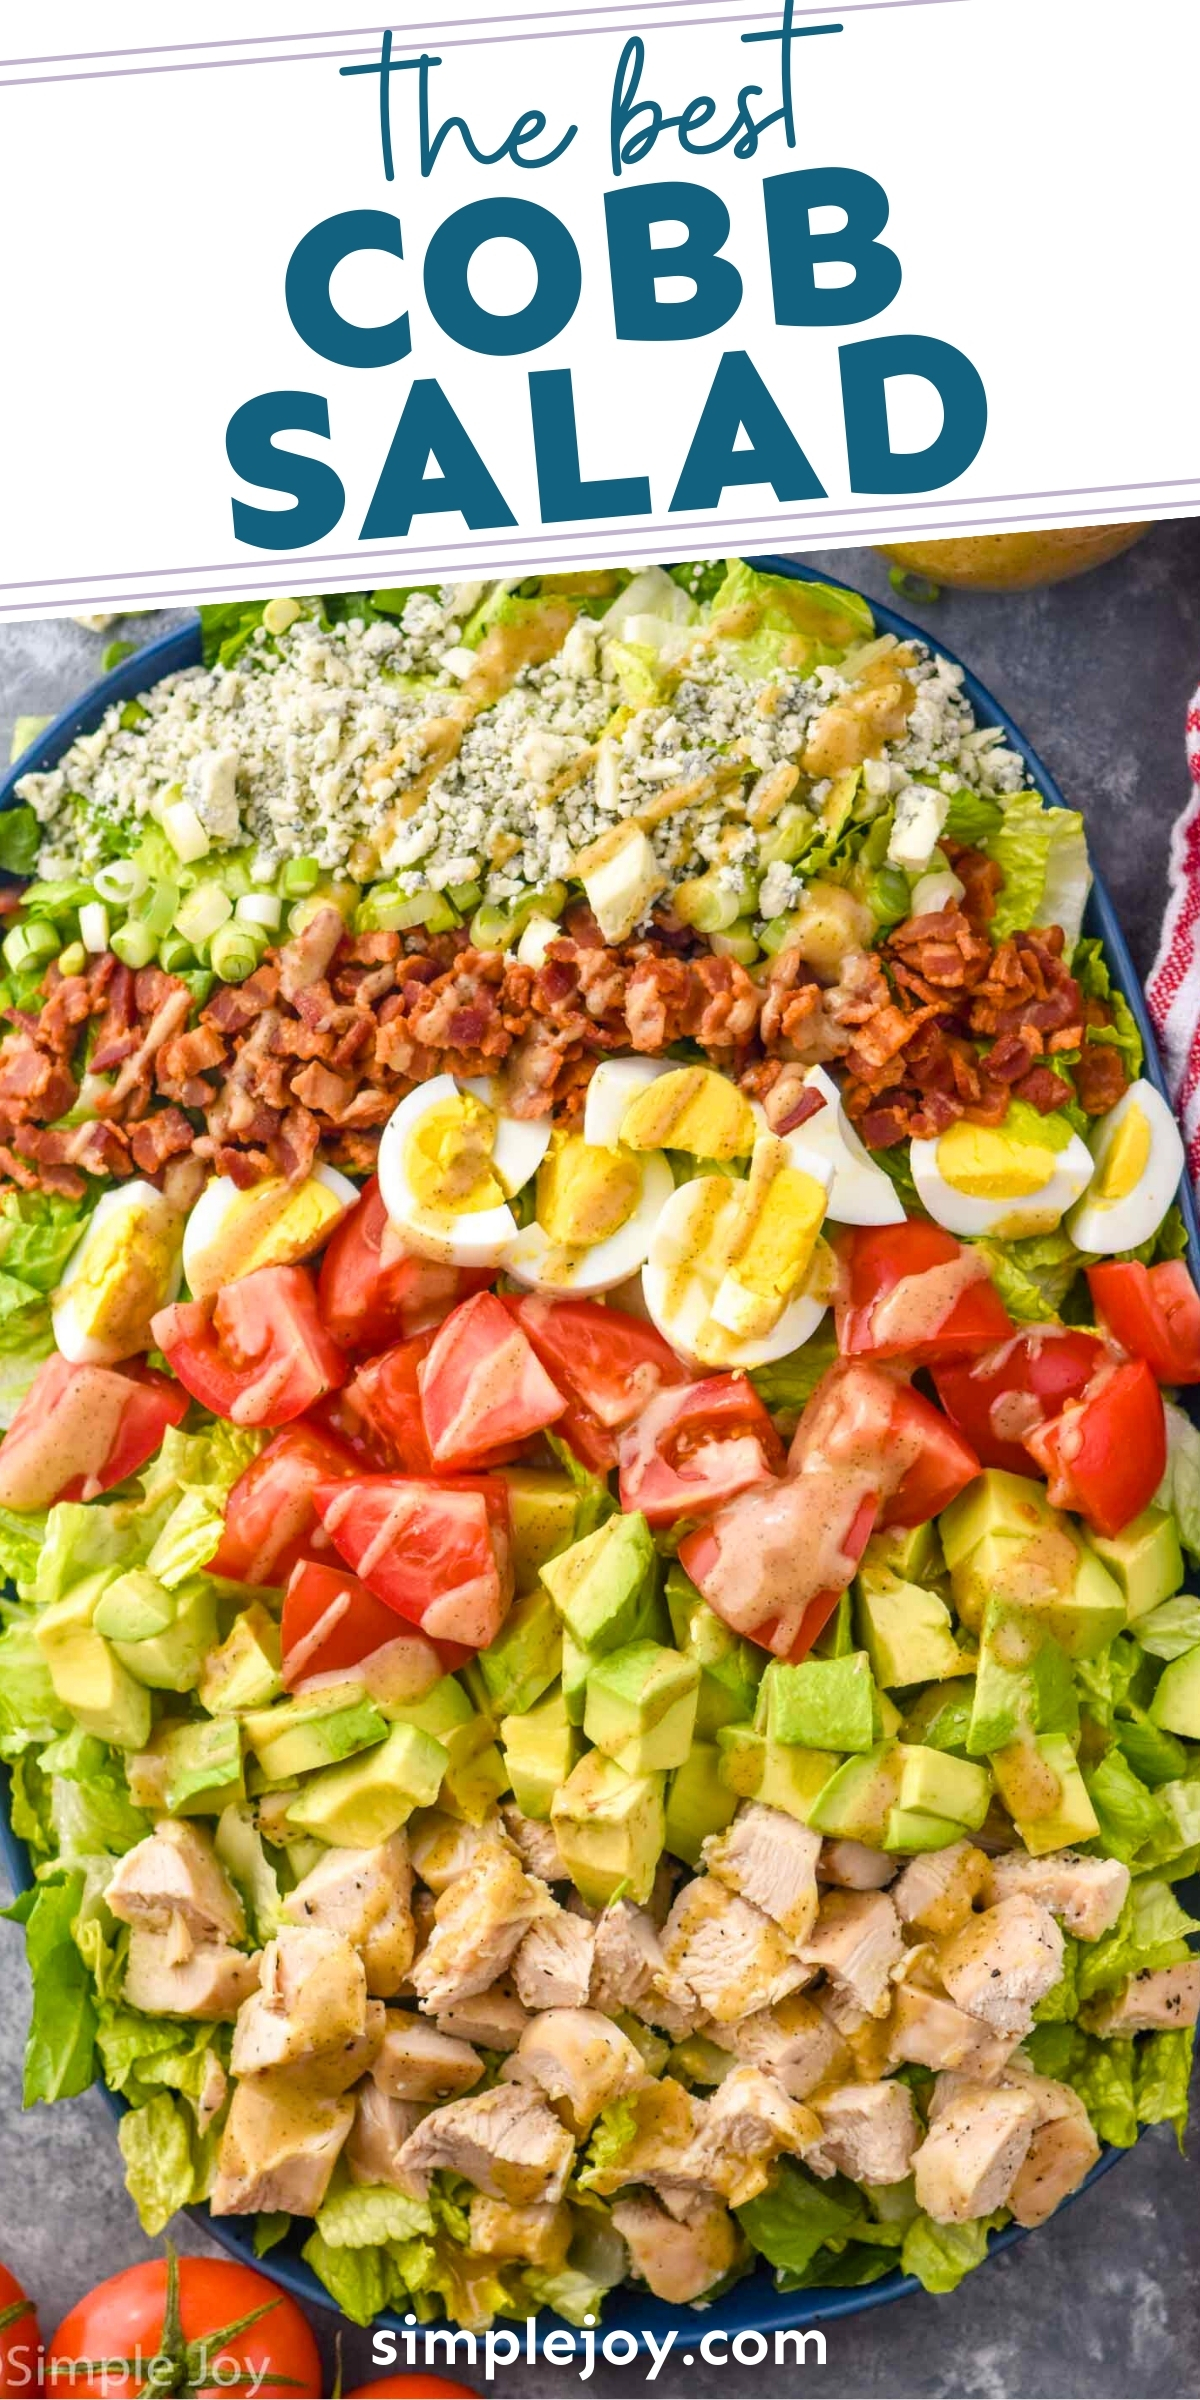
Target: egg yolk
448, 1158
692, 1109
769, 1243
1125, 1158
270, 1226
985, 1163
584, 1194
122, 1274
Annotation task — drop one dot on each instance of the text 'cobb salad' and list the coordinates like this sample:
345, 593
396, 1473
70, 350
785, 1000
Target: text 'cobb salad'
596, 1673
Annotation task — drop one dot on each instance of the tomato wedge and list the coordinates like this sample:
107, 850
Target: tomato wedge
756, 1561
259, 1354
79, 1430
694, 1446
270, 1521
1106, 1455
1153, 1312
386, 1394
911, 1291
373, 1292
483, 1387
942, 1463
331, 1622
996, 1399
438, 1553
867, 1422
610, 1363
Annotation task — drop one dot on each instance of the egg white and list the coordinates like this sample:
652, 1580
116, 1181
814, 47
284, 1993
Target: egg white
1108, 1225
210, 1236
466, 1238
545, 1266
128, 1216
861, 1194
967, 1213
680, 1293
521, 1142
615, 1085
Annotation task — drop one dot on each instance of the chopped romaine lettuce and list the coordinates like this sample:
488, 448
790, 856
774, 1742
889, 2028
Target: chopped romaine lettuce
1042, 854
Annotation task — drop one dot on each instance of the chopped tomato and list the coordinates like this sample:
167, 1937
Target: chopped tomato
867, 1422
1106, 1455
998, 1398
911, 1291
612, 1364
439, 1553
942, 1464
80, 1430
374, 1292
270, 1521
259, 1354
693, 1446
588, 1438
331, 1622
1153, 1312
483, 1387
386, 1394
774, 1562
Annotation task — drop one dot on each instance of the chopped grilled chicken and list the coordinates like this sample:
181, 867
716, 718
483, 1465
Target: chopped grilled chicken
415, 2063
1063, 2150
1158, 2000
579, 2058
678, 2262
667, 2121
279, 2148
857, 1940
770, 1859
479, 1922
1086, 1894
731, 1956
175, 1872
212, 1983
380, 2129
977, 2143
311, 2001
795, 2042
537, 1844
747, 2122
365, 1895
553, 1966
927, 2030
442, 1848
869, 2131
1000, 1964
855, 1866
495, 2018
213, 2093
539, 2236
630, 1972
507, 2142
938, 1891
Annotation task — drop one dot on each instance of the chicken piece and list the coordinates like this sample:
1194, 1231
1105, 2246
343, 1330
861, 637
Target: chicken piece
415, 2063
311, 2002
731, 1956
507, 2142
175, 1872
380, 2129
667, 2122
855, 1866
1063, 2150
1158, 2000
553, 1966
770, 1859
279, 2148
678, 2262
938, 1890
366, 1896
929, 2031
536, 1843
442, 1848
1086, 1894
869, 2132
978, 2140
213, 2092
538, 2236
747, 2122
1001, 1963
212, 1983
795, 2042
579, 2058
494, 2019
479, 1922
857, 1940
627, 1958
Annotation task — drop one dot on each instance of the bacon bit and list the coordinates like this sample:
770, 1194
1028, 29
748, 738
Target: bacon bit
1101, 1077
785, 1115
1043, 1090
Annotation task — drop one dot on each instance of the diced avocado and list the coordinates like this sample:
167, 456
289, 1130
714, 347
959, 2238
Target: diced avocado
202, 1766
1039, 1781
742, 1752
1050, 1575
85, 1671
913, 1829
540, 1749
1144, 1559
610, 1828
598, 1585
524, 1659
780, 1774
367, 1800
472, 1789
996, 1502
134, 1608
888, 1719
542, 1504
1023, 1681
940, 1716
1176, 1702
836, 1637
1088, 1617
649, 1625
475, 1776
298, 1736
245, 1670
171, 1661
906, 1630
825, 1703
730, 1668
856, 1799
239, 1846
937, 1784
641, 1706
913, 1552
698, 1803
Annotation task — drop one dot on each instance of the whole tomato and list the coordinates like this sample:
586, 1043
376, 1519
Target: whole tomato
20, 2342
204, 2322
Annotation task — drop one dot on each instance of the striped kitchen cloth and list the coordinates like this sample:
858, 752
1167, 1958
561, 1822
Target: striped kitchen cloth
1173, 989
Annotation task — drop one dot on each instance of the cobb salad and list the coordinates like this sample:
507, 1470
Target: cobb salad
595, 1673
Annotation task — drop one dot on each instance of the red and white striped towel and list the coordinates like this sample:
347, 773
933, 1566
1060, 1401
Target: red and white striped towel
1173, 988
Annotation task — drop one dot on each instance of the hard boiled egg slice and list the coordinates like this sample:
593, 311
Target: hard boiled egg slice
693, 1109
519, 1144
231, 1232
1138, 1154
125, 1266
1017, 1178
735, 1276
595, 1215
615, 1085
441, 1175
861, 1194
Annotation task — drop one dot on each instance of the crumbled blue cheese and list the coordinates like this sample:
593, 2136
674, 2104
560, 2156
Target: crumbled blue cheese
921, 812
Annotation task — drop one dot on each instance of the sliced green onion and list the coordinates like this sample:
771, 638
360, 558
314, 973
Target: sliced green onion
386, 910
887, 895
264, 909
184, 831
492, 927
57, 899
466, 895
787, 837
134, 944
300, 876
202, 913
93, 925
200, 984
741, 942
26, 944
234, 953
73, 959
123, 880
115, 654
776, 935
132, 714
706, 905
156, 907
174, 952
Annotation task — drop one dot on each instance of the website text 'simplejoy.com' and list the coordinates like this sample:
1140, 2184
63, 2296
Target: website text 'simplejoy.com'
504, 2346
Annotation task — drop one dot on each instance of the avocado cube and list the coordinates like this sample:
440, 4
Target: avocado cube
995, 1503
1023, 1681
540, 1749
649, 1625
940, 1716
698, 1803
445, 1711
524, 1659
245, 1670
1039, 1781
598, 1585
541, 1503
610, 1828
365, 1801
823, 1703
203, 1770
907, 1631
911, 1552
641, 1706
171, 1661
134, 1608
1176, 1703
730, 1668
1144, 1559
935, 1783
887, 1717
914, 1829
780, 1774
1087, 1617
474, 1788
103, 1697
857, 1797
316, 1730
742, 1751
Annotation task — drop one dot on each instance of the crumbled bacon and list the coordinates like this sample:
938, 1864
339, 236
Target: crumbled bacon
1100, 1077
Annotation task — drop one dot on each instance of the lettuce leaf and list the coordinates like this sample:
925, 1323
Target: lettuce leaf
1178, 1849
1091, 971
783, 610
359, 2282
60, 2054
1042, 854
940, 2255
145, 2055
1129, 1814
1150, 1932
38, 1231
90, 1805
796, 2216
162, 2172
1179, 1490
788, 1383
970, 818
364, 2214
1034, 1274
1163, 2072
270, 2228
594, 1502
1171, 1628
21, 1540
615, 2128
30, 1710
1102, 2073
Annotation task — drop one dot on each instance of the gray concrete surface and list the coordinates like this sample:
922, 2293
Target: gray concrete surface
1106, 2299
